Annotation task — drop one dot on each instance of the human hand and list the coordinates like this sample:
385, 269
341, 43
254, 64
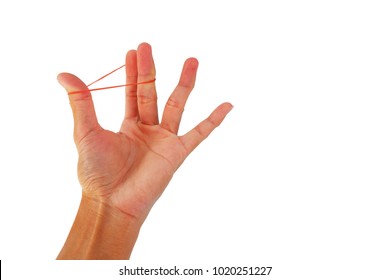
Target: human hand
130, 169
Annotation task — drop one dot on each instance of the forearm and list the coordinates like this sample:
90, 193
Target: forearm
100, 232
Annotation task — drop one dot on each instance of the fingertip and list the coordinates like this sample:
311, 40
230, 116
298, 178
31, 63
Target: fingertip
59, 76
63, 79
227, 107
145, 62
131, 54
144, 46
71, 82
192, 62
131, 64
221, 112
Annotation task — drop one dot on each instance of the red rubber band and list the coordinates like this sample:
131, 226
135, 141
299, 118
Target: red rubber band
102, 88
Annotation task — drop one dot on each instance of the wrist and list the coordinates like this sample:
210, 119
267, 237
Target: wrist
100, 231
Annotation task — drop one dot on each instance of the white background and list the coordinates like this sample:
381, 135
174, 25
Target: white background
296, 177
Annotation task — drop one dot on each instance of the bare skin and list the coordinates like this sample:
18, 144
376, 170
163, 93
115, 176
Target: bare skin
123, 174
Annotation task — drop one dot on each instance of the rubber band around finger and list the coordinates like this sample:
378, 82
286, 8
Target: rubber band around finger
110, 87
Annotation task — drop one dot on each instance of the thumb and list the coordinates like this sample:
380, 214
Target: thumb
84, 114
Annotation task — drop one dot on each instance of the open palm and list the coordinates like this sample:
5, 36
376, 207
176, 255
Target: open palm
130, 169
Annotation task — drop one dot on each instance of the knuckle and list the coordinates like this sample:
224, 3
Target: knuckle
212, 122
81, 98
174, 103
145, 99
199, 130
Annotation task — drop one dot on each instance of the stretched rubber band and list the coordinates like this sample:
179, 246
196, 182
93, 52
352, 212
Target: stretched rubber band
102, 88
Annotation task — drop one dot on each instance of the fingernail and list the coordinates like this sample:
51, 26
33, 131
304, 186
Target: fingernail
231, 107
